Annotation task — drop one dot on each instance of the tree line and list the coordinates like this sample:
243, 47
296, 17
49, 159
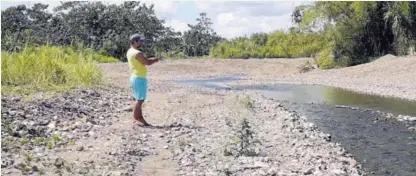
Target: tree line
102, 27
335, 33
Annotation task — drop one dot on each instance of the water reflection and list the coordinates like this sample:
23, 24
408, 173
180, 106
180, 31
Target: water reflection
333, 96
337, 96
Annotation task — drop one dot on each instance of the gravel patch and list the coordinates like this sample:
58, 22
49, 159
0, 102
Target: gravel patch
35, 132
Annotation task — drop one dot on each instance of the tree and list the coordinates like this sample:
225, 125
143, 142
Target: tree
359, 31
102, 27
200, 37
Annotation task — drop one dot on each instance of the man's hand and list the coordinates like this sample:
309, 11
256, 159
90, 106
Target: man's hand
156, 58
149, 61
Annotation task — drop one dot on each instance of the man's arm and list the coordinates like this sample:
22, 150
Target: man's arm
142, 59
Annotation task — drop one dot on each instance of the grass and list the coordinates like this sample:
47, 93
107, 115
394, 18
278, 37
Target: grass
50, 68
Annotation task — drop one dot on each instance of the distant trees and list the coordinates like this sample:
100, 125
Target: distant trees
277, 44
337, 33
104, 28
200, 38
359, 31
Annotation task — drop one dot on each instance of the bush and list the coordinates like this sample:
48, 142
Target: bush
325, 59
277, 44
48, 68
176, 54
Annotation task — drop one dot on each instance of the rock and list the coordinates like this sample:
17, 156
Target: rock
412, 119
272, 171
80, 148
127, 109
91, 133
17, 126
83, 170
338, 172
59, 162
52, 125
309, 171
35, 168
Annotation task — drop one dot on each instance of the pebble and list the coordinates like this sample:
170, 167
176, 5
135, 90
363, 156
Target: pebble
52, 125
309, 171
412, 119
339, 172
80, 148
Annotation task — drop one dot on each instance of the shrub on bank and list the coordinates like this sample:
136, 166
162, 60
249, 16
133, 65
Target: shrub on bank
325, 59
48, 68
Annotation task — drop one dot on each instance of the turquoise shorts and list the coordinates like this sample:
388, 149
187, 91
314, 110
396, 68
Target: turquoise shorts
139, 87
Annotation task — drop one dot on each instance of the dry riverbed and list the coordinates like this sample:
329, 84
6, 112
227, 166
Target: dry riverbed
196, 132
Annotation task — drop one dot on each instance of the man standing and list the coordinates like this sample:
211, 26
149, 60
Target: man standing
137, 63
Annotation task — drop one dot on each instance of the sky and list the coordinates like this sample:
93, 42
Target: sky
230, 18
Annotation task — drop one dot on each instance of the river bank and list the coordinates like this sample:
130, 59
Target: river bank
195, 130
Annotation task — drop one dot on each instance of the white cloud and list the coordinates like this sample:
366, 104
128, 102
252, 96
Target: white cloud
233, 19
230, 25
178, 25
162, 6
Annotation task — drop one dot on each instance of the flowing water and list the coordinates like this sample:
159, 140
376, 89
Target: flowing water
382, 145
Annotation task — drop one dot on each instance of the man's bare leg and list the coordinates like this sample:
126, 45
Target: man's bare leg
137, 113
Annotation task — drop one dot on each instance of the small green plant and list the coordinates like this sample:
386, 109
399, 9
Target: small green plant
25, 166
50, 145
246, 101
72, 141
24, 141
40, 140
245, 136
55, 138
28, 158
52, 141
243, 142
7, 141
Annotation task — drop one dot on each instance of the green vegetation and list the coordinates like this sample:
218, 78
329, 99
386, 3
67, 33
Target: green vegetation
103, 27
49, 68
277, 44
335, 33
244, 142
246, 101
